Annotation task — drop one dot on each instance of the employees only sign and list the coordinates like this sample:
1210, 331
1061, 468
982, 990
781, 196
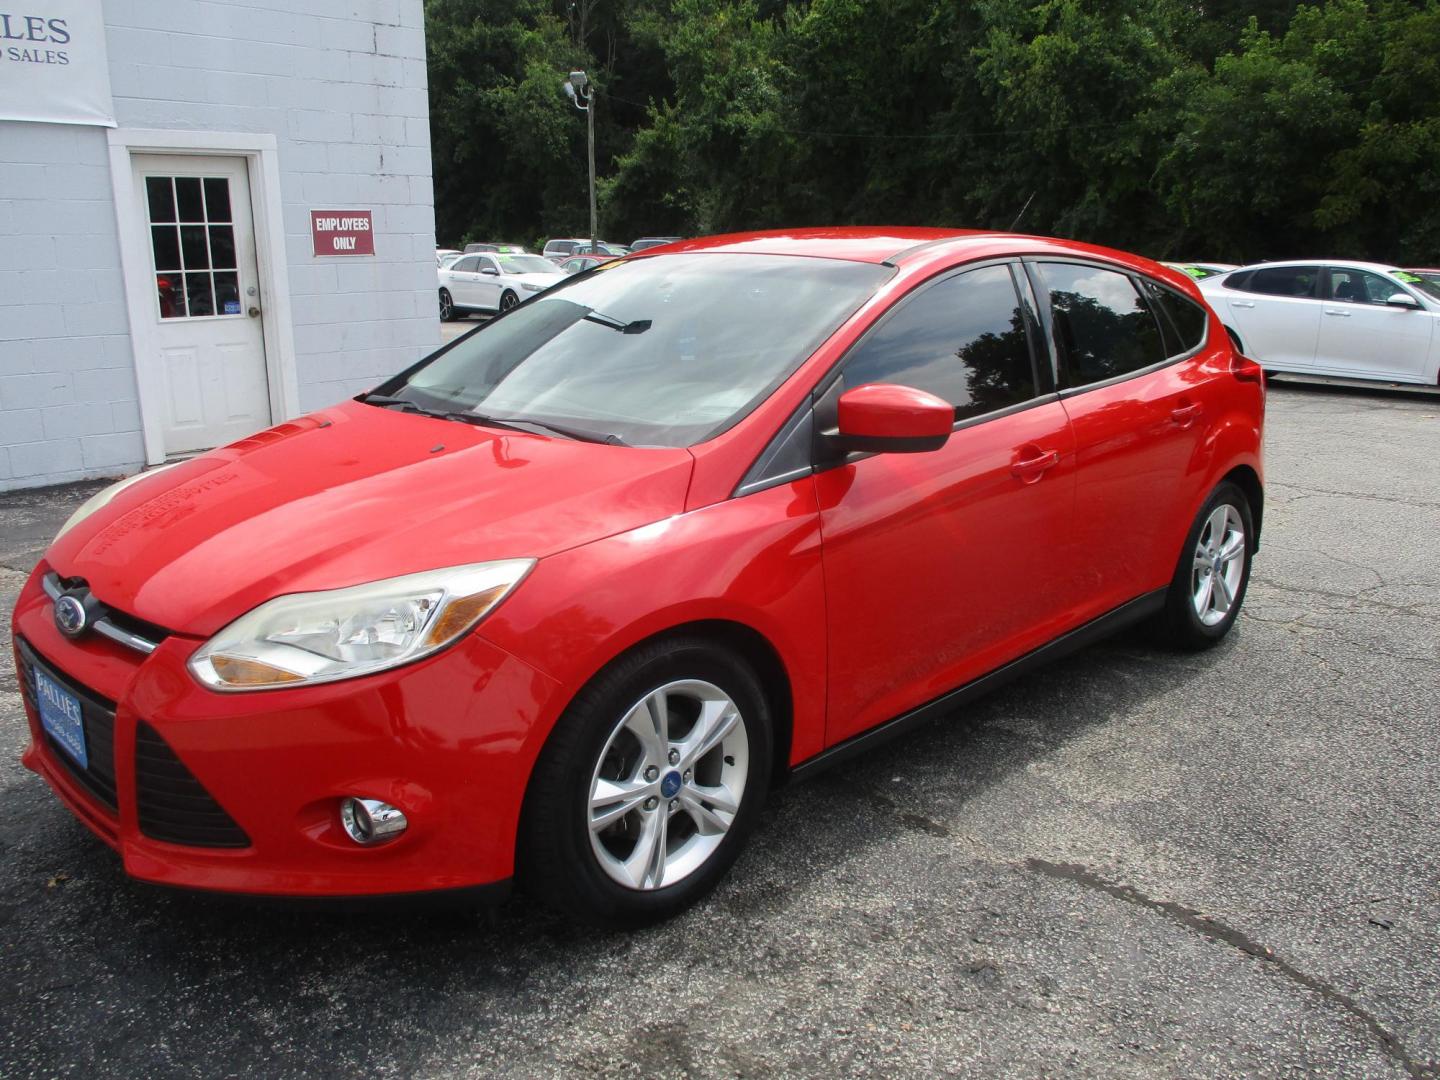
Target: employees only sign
53, 68
342, 232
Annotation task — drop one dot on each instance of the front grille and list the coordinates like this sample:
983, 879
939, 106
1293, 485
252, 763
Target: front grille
97, 715
172, 803
137, 634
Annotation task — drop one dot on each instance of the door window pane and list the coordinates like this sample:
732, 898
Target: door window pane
187, 198
192, 244
172, 296
217, 198
222, 246
1284, 281
166, 244
1104, 327
1183, 321
227, 293
1360, 287
962, 339
198, 295
161, 198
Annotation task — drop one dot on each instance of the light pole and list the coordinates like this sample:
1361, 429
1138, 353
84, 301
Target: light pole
581, 93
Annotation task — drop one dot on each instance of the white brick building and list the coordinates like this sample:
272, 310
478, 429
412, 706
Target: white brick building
158, 289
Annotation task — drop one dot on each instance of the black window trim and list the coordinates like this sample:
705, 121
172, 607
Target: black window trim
1065, 391
756, 478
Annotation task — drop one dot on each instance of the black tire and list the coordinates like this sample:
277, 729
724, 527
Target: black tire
508, 300
447, 307
1180, 622
556, 862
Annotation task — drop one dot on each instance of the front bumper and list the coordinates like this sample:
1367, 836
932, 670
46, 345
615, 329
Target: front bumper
450, 740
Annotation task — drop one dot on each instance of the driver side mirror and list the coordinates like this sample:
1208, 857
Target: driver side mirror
1402, 300
884, 418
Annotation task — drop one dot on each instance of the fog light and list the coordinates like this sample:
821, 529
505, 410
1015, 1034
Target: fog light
369, 821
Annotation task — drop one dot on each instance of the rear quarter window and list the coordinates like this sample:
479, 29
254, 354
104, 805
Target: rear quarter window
1182, 321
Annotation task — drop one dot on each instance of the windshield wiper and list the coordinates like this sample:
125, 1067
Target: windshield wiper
520, 423
403, 404
639, 326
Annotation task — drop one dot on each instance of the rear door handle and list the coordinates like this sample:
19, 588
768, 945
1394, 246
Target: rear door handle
1337, 311
1035, 464
1242, 303
1185, 415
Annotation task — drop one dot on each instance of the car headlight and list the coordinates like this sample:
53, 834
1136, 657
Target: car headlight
320, 637
533, 288
103, 497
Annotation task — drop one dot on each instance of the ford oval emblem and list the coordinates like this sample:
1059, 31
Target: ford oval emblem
70, 616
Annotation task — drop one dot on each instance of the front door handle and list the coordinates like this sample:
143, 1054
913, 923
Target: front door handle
1185, 415
1034, 464
1242, 303
1337, 311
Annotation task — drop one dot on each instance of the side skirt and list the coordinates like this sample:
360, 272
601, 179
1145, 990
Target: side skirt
1142, 607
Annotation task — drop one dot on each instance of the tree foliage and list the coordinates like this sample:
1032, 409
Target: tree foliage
1234, 129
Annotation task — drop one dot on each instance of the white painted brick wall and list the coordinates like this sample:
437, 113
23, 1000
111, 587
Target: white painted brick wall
342, 87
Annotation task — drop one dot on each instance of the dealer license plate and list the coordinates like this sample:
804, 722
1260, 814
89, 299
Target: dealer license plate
60, 715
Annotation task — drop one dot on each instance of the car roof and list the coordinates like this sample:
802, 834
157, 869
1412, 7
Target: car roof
1356, 264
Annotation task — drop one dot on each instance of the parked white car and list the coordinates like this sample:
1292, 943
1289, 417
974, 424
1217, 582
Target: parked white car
492, 282
1353, 320
444, 255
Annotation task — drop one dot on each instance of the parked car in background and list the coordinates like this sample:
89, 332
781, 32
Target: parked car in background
508, 249
652, 241
1429, 275
580, 263
559, 250
1200, 271
1354, 320
442, 254
565, 599
492, 281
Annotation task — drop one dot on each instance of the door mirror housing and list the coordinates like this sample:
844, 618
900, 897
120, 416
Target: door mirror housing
490, 270
1402, 300
884, 418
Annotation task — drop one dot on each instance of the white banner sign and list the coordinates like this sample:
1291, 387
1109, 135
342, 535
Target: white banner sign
52, 62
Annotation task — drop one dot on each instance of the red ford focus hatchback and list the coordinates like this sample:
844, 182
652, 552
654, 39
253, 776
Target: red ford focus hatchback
566, 598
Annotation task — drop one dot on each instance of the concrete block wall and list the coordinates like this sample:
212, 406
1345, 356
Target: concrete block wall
343, 89
68, 395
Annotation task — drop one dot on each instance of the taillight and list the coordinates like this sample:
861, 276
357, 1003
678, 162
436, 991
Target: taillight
1246, 370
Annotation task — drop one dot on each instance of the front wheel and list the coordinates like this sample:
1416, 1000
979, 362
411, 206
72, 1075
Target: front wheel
1213, 573
649, 785
508, 300
447, 306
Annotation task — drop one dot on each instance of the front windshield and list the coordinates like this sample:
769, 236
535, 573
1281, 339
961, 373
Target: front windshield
525, 264
663, 351
1427, 283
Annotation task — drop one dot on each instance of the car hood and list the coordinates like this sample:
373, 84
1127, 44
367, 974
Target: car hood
353, 494
543, 280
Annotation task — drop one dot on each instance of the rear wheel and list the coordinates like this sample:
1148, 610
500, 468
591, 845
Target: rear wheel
447, 306
649, 785
1213, 573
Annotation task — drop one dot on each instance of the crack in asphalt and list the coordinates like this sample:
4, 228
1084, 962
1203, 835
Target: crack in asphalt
1220, 933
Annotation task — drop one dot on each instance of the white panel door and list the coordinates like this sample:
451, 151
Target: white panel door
210, 344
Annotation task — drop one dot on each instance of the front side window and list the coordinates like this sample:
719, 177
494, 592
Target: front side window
1360, 287
1297, 281
667, 351
962, 339
1104, 326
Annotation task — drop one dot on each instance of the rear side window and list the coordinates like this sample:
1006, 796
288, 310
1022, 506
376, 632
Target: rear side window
1284, 281
962, 339
1104, 326
467, 265
1182, 321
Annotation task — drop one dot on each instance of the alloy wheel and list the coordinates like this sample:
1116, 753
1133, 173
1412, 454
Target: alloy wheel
508, 301
668, 784
446, 307
1218, 565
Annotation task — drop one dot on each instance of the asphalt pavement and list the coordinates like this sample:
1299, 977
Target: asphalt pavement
1134, 863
